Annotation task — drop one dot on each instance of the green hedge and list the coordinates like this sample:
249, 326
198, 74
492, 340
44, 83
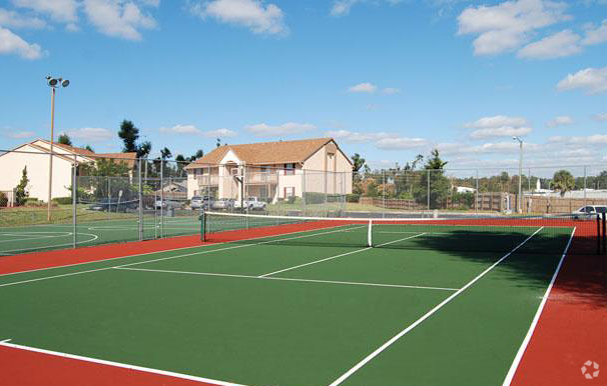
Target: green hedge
353, 198
3, 199
63, 200
314, 198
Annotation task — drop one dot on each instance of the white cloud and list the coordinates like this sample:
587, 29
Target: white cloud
342, 7
356, 137
400, 143
497, 121
90, 134
596, 35
21, 134
363, 87
390, 91
596, 139
13, 44
601, 117
508, 25
289, 128
14, 20
561, 44
181, 129
504, 131
260, 19
498, 126
220, 133
117, 18
59, 10
593, 80
562, 120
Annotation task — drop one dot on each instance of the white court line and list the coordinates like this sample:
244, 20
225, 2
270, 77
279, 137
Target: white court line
335, 257
95, 237
536, 318
160, 259
117, 364
396, 337
164, 250
289, 279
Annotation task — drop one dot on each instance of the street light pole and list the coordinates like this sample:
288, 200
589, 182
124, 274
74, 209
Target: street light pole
50, 164
53, 84
520, 175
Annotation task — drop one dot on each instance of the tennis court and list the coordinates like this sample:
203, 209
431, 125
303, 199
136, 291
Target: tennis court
35, 238
321, 302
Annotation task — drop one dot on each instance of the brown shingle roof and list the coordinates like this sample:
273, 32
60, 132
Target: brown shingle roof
266, 153
129, 158
71, 149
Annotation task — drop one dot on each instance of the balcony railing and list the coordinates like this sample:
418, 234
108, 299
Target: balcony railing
261, 178
204, 180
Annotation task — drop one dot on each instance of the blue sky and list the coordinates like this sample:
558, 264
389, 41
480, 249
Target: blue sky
387, 78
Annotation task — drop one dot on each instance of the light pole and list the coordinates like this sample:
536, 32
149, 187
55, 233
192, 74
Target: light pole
520, 175
53, 84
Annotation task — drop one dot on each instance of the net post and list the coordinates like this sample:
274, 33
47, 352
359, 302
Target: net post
370, 234
74, 199
428, 191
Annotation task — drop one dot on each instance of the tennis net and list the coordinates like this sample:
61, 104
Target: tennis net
547, 234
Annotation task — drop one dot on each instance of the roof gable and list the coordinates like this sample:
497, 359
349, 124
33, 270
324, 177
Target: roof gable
267, 153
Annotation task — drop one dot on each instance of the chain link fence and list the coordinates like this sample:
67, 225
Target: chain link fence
117, 200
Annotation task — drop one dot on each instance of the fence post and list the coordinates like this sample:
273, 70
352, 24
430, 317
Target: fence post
74, 200
162, 203
477, 194
585, 177
303, 191
428, 172
383, 193
140, 196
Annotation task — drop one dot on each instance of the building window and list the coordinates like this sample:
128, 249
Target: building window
289, 169
289, 191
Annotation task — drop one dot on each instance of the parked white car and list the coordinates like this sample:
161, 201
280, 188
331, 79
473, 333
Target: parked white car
589, 210
251, 203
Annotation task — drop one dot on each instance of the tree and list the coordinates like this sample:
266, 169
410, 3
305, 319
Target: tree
358, 162
129, 135
21, 193
99, 180
65, 139
439, 184
144, 149
563, 181
89, 148
165, 153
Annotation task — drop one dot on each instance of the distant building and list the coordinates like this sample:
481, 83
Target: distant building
272, 170
35, 156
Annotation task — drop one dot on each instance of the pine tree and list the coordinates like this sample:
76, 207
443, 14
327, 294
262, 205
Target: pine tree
21, 193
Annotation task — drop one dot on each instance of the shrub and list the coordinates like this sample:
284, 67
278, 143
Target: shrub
353, 197
291, 200
63, 200
314, 198
3, 199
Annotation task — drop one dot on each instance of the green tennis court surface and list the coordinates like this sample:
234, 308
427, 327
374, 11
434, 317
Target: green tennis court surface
36, 238
307, 308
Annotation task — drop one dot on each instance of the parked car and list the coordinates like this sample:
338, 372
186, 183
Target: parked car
251, 203
223, 204
114, 205
167, 204
200, 202
589, 211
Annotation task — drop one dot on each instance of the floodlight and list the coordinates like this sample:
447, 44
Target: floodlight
53, 82
65, 83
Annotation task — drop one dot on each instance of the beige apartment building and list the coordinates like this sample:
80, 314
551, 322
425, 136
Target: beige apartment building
271, 170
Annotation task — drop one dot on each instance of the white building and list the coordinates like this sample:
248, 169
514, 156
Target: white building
272, 170
36, 157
